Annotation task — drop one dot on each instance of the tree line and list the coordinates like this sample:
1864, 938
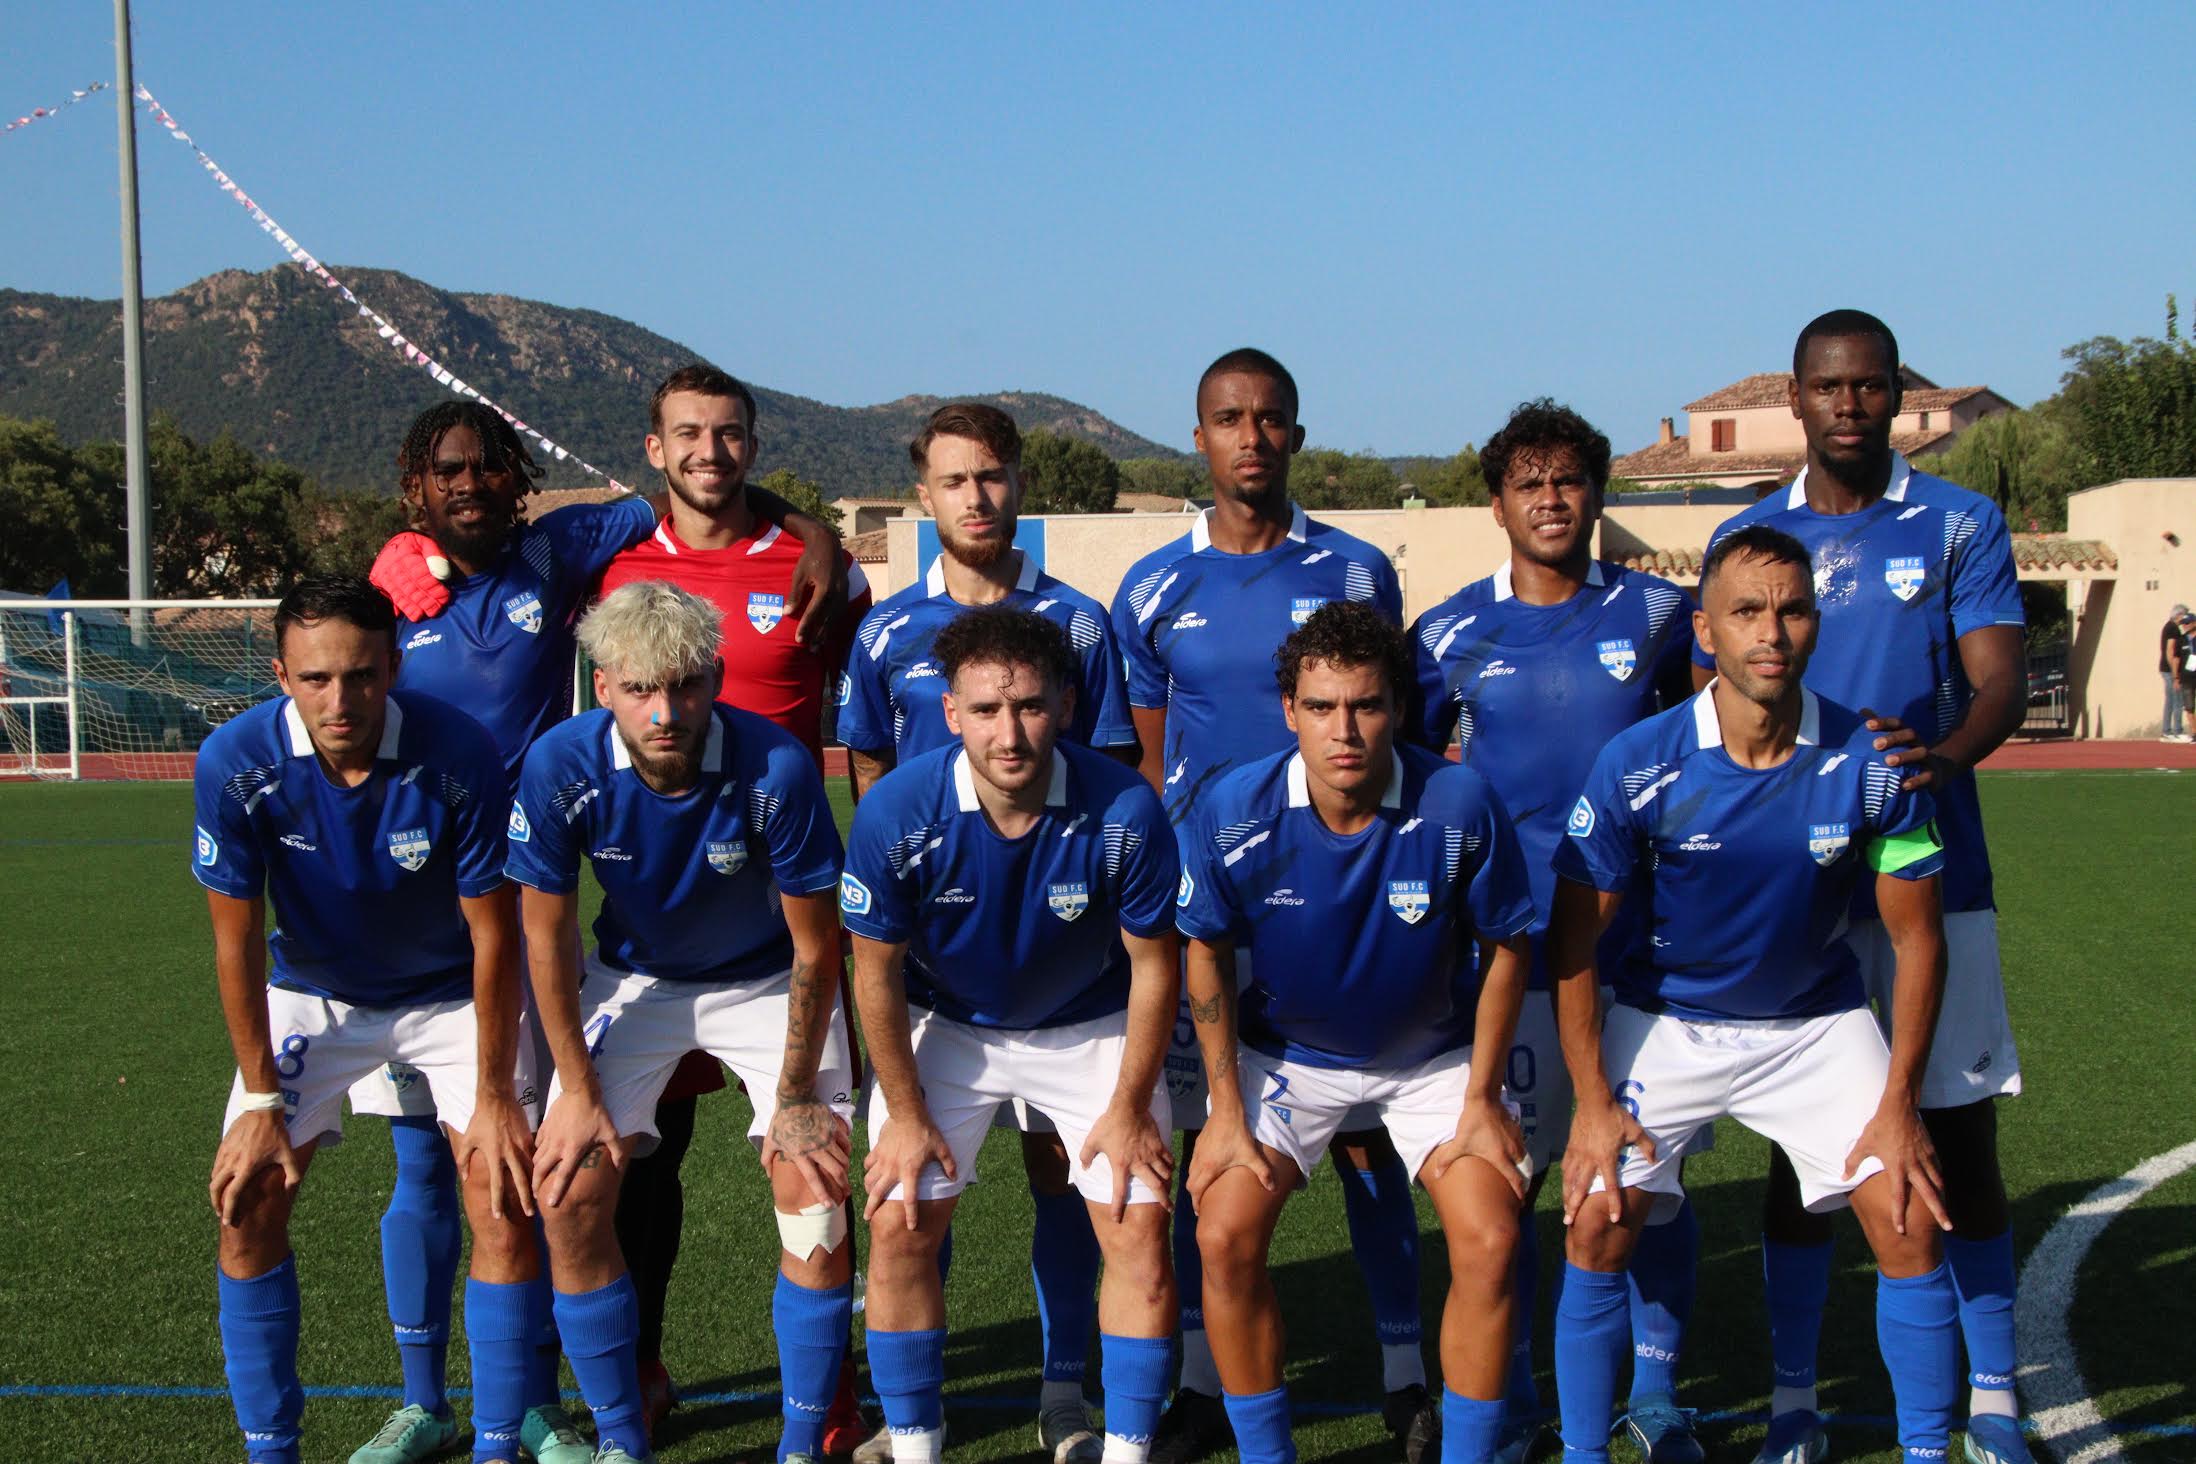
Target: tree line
227, 522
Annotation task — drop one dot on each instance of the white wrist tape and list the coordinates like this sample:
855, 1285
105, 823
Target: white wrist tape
816, 1227
258, 1102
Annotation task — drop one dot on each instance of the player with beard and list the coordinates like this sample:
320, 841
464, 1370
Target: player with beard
710, 834
487, 601
1922, 621
1533, 669
712, 542
968, 464
1199, 620
1743, 820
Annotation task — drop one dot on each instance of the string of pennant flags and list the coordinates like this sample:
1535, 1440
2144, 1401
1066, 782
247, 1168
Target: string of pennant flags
304, 259
40, 114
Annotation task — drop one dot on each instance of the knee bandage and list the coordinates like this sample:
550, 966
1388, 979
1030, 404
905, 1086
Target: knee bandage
816, 1227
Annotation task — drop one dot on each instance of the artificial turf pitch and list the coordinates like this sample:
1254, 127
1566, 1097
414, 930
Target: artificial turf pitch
117, 1068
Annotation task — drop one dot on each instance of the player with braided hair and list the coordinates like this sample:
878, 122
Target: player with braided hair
486, 602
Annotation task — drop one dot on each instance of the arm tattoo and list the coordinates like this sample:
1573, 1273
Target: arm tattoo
805, 989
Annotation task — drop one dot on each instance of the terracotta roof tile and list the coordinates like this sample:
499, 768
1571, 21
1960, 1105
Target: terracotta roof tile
868, 548
2040, 552
1680, 566
1772, 388
549, 500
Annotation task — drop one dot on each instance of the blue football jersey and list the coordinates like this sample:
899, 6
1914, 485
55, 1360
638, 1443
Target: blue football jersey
1746, 874
1899, 583
1533, 692
504, 646
690, 883
1354, 952
892, 694
1018, 933
365, 881
1200, 626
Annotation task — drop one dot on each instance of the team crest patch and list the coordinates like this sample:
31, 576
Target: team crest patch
853, 895
521, 831
1618, 658
1068, 900
765, 611
1827, 841
727, 856
1409, 900
409, 847
1581, 825
524, 611
1301, 608
209, 850
1904, 576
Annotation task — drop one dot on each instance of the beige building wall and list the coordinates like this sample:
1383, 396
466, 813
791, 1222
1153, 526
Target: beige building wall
2112, 656
1760, 429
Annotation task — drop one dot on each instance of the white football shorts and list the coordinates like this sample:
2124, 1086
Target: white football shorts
1068, 1074
324, 1047
638, 1027
1538, 1082
1809, 1084
1972, 1057
1298, 1108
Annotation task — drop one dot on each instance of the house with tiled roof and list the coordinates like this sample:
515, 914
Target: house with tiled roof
1746, 433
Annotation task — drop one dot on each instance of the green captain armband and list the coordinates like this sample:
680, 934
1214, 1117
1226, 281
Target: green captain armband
1895, 852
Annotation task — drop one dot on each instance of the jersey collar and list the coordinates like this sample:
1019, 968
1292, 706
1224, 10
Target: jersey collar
301, 741
934, 580
1708, 728
672, 545
964, 782
1201, 531
621, 756
1300, 786
1902, 472
1503, 591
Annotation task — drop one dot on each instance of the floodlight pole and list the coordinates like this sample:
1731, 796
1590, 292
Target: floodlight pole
133, 329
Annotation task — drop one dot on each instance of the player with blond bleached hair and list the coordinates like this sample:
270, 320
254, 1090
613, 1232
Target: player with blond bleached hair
710, 834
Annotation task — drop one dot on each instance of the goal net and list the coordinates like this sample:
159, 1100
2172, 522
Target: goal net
125, 689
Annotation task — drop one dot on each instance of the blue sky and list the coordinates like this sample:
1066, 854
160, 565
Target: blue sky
1427, 212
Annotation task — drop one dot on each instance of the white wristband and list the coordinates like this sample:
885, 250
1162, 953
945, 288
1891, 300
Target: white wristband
251, 1102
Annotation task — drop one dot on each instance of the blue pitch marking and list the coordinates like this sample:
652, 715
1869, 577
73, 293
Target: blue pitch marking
986, 1402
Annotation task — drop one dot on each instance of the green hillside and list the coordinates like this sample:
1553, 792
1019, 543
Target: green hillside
292, 371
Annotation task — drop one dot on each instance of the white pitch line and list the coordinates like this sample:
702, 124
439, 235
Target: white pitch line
2060, 1409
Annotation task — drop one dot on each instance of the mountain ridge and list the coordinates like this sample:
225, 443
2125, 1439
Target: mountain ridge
295, 373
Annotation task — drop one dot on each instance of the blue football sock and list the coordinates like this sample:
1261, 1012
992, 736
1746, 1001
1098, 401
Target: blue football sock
501, 1341
1384, 1237
1063, 1262
1664, 1268
420, 1244
1917, 1326
812, 1329
1522, 1402
908, 1371
1592, 1327
1470, 1427
1796, 1283
1137, 1371
259, 1350
1982, 1276
601, 1329
543, 1348
1261, 1423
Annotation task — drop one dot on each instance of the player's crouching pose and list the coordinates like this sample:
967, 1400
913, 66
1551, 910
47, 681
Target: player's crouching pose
1745, 818
1353, 874
376, 819
1013, 938
702, 822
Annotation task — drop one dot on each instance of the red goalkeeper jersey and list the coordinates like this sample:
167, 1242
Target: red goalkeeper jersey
766, 671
